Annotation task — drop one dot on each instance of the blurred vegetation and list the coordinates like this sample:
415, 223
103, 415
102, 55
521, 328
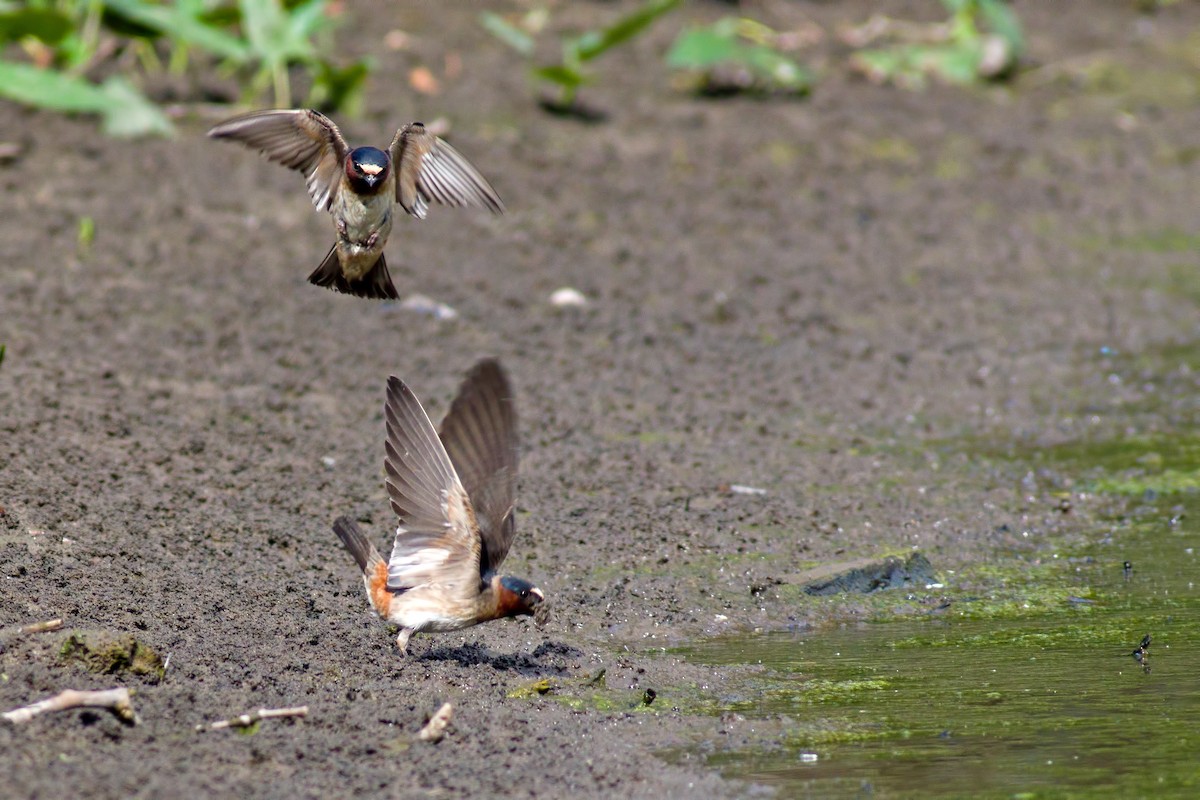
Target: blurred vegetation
72, 55
569, 73
981, 40
737, 54
96, 56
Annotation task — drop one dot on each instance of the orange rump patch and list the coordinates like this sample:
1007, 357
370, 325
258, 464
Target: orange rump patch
381, 598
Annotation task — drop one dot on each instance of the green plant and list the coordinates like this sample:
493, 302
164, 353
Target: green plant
259, 40
737, 54
85, 236
60, 41
981, 40
571, 72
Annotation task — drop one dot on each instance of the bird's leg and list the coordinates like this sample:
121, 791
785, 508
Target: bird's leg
402, 640
340, 224
369, 244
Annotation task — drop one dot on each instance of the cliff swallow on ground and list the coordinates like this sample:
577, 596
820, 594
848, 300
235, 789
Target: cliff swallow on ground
361, 187
454, 493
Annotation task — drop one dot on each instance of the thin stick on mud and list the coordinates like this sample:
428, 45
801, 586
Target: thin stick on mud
116, 700
39, 627
435, 729
246, 720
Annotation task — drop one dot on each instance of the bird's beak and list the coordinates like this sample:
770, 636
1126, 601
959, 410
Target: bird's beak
371, 173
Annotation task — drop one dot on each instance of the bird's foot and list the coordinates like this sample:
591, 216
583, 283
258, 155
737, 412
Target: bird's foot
402, 640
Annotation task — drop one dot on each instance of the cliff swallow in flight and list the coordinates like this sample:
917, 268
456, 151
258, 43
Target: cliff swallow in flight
361, 187
454, 493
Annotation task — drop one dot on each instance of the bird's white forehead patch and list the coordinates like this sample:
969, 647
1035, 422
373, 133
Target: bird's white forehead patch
370, 169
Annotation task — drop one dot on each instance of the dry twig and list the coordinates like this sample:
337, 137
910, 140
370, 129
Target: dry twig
435, 729
116, 700
246, 720
40, 627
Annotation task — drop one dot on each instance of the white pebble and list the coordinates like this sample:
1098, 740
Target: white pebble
568, 297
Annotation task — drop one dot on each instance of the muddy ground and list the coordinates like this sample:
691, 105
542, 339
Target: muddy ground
830, 300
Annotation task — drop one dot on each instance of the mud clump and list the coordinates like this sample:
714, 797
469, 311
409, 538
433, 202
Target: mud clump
108, 653
889, 573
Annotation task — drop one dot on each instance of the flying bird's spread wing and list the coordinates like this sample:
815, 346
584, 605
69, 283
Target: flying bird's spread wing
430, 170
438, 538
304, 140
480, 436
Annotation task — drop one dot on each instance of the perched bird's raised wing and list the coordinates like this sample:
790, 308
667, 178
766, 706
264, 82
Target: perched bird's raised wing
304, 140
438, 538
430, 170
480, 436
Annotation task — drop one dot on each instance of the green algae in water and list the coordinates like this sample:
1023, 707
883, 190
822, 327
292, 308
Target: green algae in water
1047, 705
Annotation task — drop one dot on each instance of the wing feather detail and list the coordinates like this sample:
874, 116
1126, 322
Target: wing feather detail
301, 139
430, 170
438, 538
480, 436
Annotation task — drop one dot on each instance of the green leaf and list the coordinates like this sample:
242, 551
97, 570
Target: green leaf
266, 26
506, 32
177, 23
562, 75
304, 22
706, 48
951, 64
777, 71
340, 89
1003, 22
45, 24
87, 233
701, 48
130, 113
593, 43
126, 112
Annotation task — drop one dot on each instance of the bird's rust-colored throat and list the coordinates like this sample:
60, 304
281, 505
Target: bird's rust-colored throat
508, 603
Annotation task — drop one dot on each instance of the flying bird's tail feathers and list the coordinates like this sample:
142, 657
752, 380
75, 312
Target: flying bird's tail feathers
374, 568
376, 284
363, 551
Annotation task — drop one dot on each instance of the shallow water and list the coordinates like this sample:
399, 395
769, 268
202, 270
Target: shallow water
1033, 706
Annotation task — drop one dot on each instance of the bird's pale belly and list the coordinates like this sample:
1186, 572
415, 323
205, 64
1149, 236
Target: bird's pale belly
363, 225
425, 610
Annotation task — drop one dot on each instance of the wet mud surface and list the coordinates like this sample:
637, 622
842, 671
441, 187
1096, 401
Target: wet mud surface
809, 298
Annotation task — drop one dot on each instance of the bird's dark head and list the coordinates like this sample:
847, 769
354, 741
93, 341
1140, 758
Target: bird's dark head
367, 168
516, 597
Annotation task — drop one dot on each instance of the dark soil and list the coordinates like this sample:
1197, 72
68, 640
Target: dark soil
829, 300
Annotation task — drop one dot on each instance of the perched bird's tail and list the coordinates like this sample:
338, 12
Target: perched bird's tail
374, 568
376, 284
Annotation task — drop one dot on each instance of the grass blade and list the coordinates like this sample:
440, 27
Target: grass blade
594, 43
126, 111
177, 23
506, 32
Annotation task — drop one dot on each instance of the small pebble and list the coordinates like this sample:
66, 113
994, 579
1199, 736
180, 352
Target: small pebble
420, 304
568, 298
